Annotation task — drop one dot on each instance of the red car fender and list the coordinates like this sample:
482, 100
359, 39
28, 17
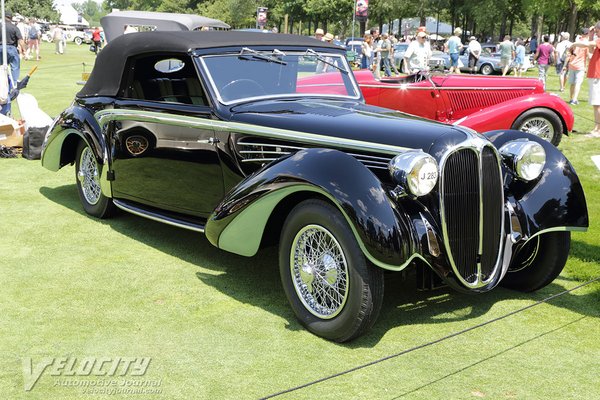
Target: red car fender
503, 115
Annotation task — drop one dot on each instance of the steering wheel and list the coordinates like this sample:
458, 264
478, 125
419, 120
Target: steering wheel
242, 88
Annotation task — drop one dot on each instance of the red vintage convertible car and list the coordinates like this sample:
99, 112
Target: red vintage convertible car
479, 102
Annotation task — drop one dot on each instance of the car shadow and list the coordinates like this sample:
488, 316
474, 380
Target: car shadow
255, 280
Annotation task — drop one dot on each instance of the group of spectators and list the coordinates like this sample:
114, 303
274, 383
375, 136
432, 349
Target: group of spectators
570, 61
378, 52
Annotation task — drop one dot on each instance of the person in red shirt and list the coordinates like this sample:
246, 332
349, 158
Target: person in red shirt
97, 39
593, 45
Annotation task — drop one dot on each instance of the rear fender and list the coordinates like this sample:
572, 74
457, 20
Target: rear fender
553, 202
75, 124
386, 236
498, 116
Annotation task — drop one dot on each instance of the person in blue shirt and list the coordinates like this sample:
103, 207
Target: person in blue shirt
519, 62
453, 46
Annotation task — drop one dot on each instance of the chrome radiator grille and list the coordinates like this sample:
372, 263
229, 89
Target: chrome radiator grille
471, 199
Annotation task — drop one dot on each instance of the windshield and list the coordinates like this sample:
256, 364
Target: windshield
254, 75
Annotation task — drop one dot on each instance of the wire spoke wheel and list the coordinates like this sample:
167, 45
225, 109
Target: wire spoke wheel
319, 271
88, 176
538, 126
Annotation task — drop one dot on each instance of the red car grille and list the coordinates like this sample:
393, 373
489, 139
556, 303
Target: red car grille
468, 99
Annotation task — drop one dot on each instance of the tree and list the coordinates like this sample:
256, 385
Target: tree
91, 11
40, 9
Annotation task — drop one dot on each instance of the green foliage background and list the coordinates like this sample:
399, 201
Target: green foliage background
493, 18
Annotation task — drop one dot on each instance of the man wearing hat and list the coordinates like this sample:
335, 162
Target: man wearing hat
418, 53
13, 41
474, 50
319, 33
323, 67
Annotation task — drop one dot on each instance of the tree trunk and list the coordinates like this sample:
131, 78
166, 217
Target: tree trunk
502, 28
539, 27
572, 20
363, 27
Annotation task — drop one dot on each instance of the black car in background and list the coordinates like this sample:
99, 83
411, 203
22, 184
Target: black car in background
237, 135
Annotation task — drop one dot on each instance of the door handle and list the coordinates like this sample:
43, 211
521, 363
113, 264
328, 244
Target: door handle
211, 140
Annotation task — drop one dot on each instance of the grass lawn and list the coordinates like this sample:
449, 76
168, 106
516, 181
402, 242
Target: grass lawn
218, 325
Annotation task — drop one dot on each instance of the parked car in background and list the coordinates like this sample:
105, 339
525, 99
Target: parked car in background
72, 34
479, 102
487, 64
223, 133
399, 51
354, 52
436, 62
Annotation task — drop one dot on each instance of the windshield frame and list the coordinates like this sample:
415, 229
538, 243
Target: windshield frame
200, 60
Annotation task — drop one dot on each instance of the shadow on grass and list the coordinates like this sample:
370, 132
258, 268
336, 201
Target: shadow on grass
255, 280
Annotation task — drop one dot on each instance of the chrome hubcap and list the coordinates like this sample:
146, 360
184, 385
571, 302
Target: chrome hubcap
88, 176
538, 126
319, 271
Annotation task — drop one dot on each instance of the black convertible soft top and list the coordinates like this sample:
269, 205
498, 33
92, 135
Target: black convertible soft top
105, 78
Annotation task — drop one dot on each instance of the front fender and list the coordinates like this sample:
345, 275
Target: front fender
555, 201
498, 116
383, 232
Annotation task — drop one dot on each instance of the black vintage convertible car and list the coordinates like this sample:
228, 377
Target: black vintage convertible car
226, 133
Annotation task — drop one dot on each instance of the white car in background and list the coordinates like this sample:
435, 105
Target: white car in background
73, 35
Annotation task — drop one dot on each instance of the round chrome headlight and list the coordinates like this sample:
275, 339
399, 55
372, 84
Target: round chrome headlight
414, 171
525, 157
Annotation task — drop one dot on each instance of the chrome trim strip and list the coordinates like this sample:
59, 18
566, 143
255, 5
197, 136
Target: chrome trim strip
376, 167
243, 143
320, 84
262, 152
260, 131
259, 159
407, 86
384, 159
158, 218
558, 229
385, 164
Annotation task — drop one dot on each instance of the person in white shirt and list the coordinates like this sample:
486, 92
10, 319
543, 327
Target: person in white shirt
417, 54
474, 49
560, 55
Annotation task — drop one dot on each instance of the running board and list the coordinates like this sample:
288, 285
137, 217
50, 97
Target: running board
141, 212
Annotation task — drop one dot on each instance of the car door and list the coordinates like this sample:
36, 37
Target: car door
420, 97
164, 152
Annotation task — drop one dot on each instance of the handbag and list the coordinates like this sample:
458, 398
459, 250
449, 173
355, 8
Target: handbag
33, 141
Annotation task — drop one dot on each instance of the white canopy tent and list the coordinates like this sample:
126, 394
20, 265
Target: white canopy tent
68, 15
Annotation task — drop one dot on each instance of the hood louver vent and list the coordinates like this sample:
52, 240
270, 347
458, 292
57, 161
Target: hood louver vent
264, 152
